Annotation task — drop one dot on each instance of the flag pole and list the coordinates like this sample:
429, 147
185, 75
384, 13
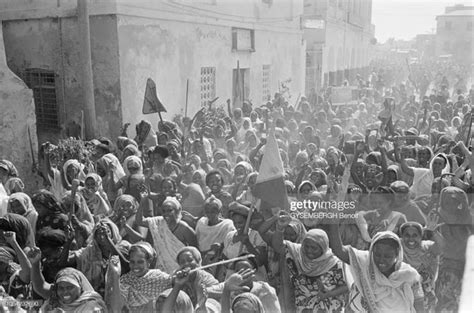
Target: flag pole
83, 137
470, 129
238, 91
246, 228
187, 92
161, 118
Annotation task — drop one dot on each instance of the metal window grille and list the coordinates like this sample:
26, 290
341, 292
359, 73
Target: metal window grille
208, 84
43, 84
266, 92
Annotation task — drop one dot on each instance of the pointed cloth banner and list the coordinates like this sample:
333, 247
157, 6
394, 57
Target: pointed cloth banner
270, 184
152, 104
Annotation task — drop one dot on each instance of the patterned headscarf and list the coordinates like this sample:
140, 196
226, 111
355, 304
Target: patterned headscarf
414, 225
174, 201
48, 201
246, 166
133, 162
150, 251
123, 199
18, 224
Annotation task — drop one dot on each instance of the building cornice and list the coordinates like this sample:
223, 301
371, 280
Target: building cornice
67, 10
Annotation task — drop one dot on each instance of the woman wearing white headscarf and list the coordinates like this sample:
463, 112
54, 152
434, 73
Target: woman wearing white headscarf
111, 171
169, 233
95, 196
20, 203
382, 281
313, 274
72, 169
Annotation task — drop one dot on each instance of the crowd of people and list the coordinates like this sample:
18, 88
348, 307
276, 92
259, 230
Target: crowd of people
132, 225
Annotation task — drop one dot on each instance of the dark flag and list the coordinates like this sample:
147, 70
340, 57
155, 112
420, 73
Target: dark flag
152, 104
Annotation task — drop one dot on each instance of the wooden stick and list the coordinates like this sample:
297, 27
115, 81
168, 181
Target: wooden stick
33, 167
246, 228
83, 128
470, 129
74, 186
245, 257
187, 92
296, 106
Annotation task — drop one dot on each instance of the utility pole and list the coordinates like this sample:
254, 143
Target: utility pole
86, 66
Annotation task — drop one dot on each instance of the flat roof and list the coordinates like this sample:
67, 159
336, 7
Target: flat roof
467, 12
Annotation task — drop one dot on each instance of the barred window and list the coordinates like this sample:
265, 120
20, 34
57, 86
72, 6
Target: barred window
43, 84
266, 92
208, 84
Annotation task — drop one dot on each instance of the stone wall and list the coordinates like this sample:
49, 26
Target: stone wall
53, 44
170, 52
17, 114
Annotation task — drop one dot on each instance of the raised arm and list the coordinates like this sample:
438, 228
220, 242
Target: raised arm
180, 280
301, 174
383, 153
335, 243
235, 283
10, 237
264, 228
47, 163
141, 221
113, 297
254, 152
277, 238
40, 285
345, 179
432, 229
404, 166
135, 236
354, 176
64, 259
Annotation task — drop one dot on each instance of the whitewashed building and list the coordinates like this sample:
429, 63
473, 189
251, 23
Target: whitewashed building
170, 41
